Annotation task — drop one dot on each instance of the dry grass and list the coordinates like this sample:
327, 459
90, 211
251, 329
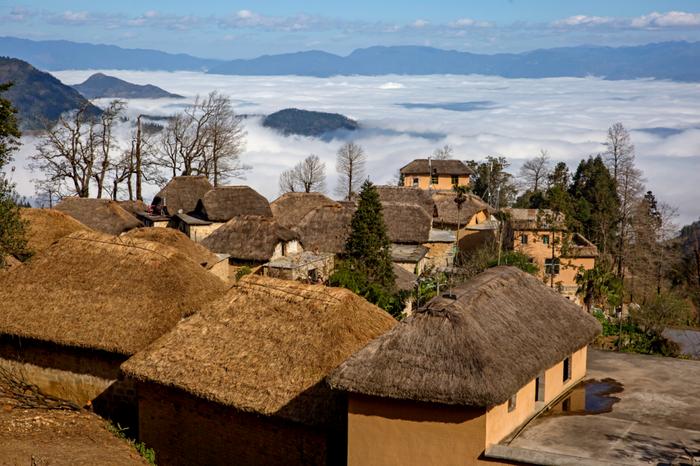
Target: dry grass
290, 208
46, 226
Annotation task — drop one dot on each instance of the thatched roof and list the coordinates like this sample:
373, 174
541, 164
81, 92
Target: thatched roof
535, 219
266, 347
226, 202
403, 195
134, 207
99, 214
95, 291
46, 226
436, 167
503, 329
580, 246
182, 193
249, 237
405, 280
290, 208
446, 208
406, 223
177, 240
326, 228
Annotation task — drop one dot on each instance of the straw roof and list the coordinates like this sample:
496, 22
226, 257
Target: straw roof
177, 240
99, 214
249, 237
405, 280
96, 291
134, 207
406, 223
404, 195
226, 202
290, 208
446, 208
46, 226
326, 228
437, 167
266, 347
535, 219
503, 329
182, 193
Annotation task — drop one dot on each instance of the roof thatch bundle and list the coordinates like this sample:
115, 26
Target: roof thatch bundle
134, 207
447, 213
403, 195
580, 246
90, 290
405, 280
535, 219
176, 240
503, 329
249, 238
99, 214
9, 263
266, 347
436, 167
290, 208
182, 193
226, 202
406, 223
326, 228
46, 226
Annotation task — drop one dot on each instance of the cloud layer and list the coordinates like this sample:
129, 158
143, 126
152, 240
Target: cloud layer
566, 116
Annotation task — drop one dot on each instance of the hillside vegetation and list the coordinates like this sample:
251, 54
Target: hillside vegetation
308, 123
100, 85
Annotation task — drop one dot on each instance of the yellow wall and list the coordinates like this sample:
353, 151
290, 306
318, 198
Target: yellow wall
444, 181
198, 232
439, 254
500, 422
554, 381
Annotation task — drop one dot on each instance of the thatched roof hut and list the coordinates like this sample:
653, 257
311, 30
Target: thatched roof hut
290, 208
94, 291
447, 214
226, 202
502, 329
406, 223
266, 347
176, 240
46, 226
326, 228
182, 193
535, 219
407, 195
249, 238
102, 215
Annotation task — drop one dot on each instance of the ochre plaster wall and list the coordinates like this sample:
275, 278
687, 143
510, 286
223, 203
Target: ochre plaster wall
444, 182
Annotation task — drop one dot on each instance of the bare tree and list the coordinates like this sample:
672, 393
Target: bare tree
227, 138
308, 176
443, 153
106, 142
350, 165
619, 150
535, 171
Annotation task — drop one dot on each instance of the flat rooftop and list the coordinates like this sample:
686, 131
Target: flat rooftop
655, 421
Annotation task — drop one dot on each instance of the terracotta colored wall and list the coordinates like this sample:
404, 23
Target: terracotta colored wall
185, 430
444, 182
500, 422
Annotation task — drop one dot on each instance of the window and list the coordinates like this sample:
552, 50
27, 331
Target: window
415, 182
512, 402
523, 239
551, 266
539, 388
566, 375
455, 180
545, 239
434, 179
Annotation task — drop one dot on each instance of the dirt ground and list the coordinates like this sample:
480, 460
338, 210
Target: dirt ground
55, 438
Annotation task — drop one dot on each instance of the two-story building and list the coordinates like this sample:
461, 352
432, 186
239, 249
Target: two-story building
436, 174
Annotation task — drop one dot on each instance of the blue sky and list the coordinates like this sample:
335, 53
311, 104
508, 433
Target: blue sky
231, 29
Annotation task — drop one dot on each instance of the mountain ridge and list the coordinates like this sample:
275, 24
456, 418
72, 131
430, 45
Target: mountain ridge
100, 85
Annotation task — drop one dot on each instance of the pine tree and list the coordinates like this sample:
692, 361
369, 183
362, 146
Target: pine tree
368, 247
12, 228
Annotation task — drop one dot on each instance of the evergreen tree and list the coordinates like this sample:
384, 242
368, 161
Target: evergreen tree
12, 228
368, 247
557, 197
595, 203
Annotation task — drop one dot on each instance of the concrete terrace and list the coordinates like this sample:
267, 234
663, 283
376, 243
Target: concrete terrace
656, 421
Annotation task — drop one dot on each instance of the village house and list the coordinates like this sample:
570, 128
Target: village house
326, 228
463, 372
290, 208
243, 382
436, 174
542, 235
102, 215
253, 240
180, 195
306, 266
85, 304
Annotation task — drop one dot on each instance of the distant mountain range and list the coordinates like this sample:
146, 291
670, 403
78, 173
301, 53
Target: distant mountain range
678, 61
39, 97
308, 123
100, 85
